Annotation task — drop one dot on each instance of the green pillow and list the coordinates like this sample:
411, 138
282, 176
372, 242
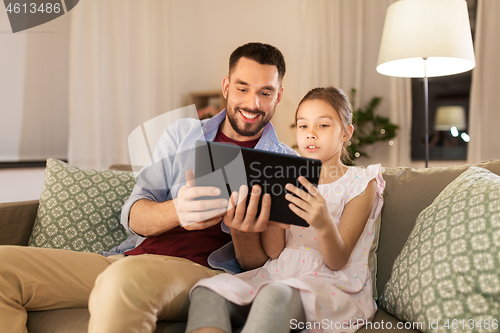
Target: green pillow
80, 209
447, 276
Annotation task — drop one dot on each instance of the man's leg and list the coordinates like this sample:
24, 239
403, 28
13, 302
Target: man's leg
43, 279
135, 292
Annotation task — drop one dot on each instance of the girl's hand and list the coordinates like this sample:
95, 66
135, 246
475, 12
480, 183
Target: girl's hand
309, 206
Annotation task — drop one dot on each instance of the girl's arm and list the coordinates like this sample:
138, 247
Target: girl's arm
336, 243
273, 240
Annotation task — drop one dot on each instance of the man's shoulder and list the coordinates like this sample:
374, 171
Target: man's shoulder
184, 128
270, 142
178, 135
187, 124
285, 149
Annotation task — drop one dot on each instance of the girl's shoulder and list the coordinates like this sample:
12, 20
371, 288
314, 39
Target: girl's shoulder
360, 177
354, 181
372, 171
355, 173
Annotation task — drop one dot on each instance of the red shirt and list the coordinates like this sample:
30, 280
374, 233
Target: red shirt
220, 137
195, 245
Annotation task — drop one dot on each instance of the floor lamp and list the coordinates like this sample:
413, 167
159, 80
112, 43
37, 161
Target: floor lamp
426, 38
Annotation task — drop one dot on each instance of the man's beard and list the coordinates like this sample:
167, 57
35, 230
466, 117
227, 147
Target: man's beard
249, 129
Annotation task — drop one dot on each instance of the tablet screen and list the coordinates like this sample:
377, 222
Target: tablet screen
228, 167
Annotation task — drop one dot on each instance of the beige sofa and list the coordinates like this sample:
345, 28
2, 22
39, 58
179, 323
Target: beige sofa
407, 193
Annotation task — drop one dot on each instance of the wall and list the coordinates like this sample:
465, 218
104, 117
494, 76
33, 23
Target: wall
202, 34
34, 90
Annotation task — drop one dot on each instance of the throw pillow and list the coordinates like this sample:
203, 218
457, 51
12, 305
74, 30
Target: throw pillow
447, 276
80, 209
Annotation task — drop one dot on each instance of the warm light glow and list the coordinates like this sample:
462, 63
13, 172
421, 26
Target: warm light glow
437, 30
450, 116
414, 67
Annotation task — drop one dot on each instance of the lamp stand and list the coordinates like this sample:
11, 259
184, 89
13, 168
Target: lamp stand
426, 97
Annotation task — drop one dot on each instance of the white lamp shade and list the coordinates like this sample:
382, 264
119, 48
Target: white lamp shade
450, 116
438, 30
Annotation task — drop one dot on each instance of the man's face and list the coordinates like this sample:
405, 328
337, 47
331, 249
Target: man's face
252, 91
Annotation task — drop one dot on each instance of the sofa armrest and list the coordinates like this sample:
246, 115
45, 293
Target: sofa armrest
120, 167
16, 222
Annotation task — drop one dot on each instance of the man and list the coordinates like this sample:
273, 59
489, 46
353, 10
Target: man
129, 293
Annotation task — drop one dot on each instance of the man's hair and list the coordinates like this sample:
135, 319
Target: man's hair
264, 54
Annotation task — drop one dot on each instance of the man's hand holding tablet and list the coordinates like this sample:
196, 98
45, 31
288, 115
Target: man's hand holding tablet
198, 214
233, 169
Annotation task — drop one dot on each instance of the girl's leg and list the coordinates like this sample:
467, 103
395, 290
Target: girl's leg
273, 308
210, 312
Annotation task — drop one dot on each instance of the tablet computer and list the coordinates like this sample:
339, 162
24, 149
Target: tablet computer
228, 166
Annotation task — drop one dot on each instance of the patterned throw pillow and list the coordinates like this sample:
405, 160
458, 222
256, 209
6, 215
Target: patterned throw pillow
80, 209
447, 276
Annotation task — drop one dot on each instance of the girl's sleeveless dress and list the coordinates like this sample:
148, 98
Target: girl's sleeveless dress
330, 298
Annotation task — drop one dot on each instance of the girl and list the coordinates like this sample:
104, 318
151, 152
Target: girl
320, 280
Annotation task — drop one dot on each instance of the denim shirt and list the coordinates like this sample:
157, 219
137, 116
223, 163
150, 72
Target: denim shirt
161, 179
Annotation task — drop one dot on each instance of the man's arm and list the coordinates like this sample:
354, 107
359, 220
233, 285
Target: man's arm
246, 227
150, 218
248, 249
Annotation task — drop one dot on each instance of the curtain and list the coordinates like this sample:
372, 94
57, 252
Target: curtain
484, 112
341, 39
119, 76
131, 61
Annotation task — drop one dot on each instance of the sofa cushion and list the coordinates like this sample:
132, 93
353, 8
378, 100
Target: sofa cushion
383, 322
449, 266
76, 320
407, 192
80, 209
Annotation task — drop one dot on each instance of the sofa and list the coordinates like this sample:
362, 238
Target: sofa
408, 191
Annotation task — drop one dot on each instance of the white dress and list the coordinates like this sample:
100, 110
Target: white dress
327, 296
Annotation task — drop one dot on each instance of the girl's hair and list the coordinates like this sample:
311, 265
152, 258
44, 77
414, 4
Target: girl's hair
339, 101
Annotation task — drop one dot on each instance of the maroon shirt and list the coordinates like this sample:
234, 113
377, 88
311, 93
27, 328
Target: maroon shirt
195, 245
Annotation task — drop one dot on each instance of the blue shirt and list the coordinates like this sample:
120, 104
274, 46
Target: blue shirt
161, 179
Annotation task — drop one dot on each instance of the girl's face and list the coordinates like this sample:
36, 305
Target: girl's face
319, 131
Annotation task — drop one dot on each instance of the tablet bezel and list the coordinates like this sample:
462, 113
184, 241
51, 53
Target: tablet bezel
256, 160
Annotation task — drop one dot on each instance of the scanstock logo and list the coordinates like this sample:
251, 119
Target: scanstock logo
28, 14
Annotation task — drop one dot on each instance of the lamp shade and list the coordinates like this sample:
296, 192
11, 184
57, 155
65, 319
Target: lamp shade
450, 116
436, 30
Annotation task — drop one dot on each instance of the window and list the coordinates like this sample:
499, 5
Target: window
449, 98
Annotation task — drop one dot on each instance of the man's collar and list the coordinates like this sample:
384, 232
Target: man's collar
269, 138
212, 125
